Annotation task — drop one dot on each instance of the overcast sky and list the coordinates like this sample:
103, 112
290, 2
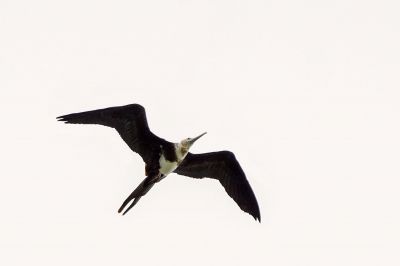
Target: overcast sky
305, 93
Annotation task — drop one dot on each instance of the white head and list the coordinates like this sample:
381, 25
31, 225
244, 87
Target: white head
185, 144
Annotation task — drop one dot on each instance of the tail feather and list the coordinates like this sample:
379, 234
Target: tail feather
131, 206
139, 192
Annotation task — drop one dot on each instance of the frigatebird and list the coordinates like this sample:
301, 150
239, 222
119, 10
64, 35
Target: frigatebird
162, 157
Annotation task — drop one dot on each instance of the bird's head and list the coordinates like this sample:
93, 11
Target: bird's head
185, 144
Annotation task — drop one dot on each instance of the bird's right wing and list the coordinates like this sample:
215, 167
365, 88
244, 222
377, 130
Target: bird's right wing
223, 166
130, 121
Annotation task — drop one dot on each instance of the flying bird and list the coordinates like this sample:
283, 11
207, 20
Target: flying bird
162, 157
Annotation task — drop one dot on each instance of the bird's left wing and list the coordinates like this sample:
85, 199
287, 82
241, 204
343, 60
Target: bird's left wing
130, 121
224, 167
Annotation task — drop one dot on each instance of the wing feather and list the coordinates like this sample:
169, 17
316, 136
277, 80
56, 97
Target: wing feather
224, 167
131, 123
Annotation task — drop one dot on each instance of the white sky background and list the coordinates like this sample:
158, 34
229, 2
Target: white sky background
306, 93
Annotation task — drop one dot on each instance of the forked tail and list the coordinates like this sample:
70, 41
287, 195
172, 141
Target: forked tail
139, 192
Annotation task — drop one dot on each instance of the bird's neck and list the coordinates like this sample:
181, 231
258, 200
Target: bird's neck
181, 152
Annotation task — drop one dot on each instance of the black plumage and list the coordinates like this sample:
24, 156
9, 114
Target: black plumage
131, 123
224, 167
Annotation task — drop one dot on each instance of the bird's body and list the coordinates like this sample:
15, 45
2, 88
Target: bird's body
163, 157
167, 167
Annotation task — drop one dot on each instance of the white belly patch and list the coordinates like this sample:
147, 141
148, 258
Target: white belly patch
166, 167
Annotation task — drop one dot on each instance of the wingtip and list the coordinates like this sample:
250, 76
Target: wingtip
61, 119
257, 218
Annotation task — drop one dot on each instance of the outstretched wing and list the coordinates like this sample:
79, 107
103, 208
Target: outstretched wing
224, 167
131, 123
